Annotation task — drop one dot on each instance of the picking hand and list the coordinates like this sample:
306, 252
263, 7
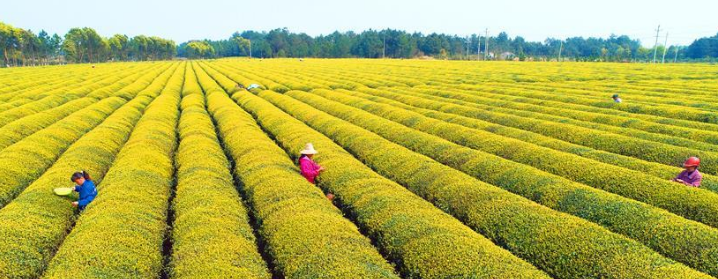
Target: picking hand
679, 180
75, 204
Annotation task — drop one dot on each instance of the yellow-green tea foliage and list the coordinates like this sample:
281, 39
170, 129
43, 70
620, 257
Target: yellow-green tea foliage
542, 236
211, 235
306, 236
692, 243
123, 229
439, 169
422, 240
35, 223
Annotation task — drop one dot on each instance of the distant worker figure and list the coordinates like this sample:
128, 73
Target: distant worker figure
86, 188
616, 98
690, 176
252, 86
310, 169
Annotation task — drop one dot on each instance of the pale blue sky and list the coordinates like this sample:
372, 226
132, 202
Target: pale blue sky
214, 19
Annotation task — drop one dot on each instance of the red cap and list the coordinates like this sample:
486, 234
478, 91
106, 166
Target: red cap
692, 162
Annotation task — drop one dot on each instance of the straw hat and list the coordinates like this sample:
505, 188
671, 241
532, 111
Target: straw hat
308, 149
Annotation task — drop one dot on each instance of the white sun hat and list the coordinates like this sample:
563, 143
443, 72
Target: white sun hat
308, 149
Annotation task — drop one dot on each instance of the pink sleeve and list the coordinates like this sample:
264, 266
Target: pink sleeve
697, 182
308, 167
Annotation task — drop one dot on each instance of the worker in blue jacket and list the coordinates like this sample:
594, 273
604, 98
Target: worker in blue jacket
85, 187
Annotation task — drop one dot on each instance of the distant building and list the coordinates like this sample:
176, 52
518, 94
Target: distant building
507, 55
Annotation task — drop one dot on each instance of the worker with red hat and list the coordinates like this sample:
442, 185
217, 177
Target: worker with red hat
690, 176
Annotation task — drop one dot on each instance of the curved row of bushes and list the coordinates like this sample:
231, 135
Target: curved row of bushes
710, 182
646, 150
211, 235
35, 223
644, 96
51, 78
685, 113
422, 240
597, 111
689, 202
246, 78
434, 138
560, 244
123, 229
23, 127
74, 84
479, 102
305, 235
623, 125
24, 102
26, 160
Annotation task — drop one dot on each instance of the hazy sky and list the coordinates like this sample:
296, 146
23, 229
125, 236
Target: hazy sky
214, 19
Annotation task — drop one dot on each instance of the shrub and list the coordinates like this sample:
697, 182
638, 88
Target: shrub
211, 234
560, 244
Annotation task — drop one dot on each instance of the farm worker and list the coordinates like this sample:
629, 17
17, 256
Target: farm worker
310, 169
85, 187
690, 176
252, 86
616, 98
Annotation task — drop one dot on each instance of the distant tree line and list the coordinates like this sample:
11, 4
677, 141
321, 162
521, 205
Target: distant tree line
704, 48
400, 44
84, 45
22, 47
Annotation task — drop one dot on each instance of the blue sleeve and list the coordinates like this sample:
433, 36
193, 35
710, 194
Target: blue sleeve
76, 188
83, 202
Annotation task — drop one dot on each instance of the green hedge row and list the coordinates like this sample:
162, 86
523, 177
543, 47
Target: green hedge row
562, 245
603, 117
23, 127
606, 111
685, 113
211, 235
305, 235
35, 223
686, 241
422, 240
121, 233
643, 149
475, 101
710, 182
697, 204
246, 78
26, 160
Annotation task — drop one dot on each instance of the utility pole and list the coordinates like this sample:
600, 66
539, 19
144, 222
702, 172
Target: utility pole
486, 47
383, 50
560, 48
468, 48
655, 46
676, 57
478, 48
665, 49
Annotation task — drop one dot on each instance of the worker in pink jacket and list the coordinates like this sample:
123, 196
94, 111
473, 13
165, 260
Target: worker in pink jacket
310, 169
690, 176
